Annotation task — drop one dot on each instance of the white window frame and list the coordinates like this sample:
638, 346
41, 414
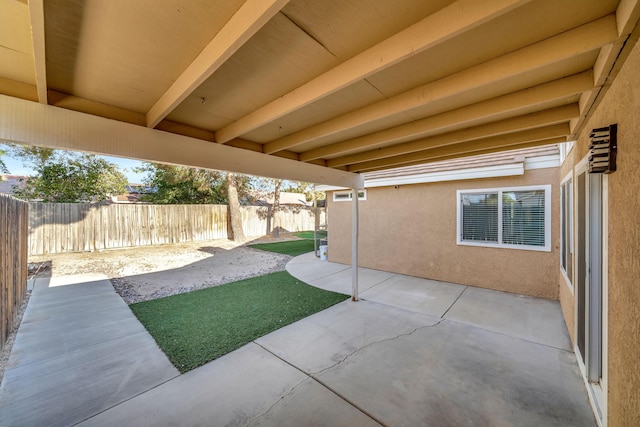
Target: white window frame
565, 149
362, 195
569, 223
547, 218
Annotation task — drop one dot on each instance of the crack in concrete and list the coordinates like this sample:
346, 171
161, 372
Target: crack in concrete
313, 374
257, 417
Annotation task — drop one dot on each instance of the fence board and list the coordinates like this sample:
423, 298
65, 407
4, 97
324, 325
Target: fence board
14, 229
78, 227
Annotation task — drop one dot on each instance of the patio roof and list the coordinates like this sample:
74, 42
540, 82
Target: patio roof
302, 89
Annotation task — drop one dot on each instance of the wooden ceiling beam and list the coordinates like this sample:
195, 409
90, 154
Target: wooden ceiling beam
18, 89
583, 39
527, 121
530, 144
539, 134
251, 16
527, 98
627, 15
443, 25
26, 122
609, 62
83, 105
36, 17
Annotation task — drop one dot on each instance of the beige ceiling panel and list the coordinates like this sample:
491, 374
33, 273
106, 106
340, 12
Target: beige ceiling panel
347, 28
348, 99
540, 119
127, 53
526, 25
552, 94
464, 125
195, 114
278, 59
15, 31
434, 29
16, 53
16, 66
390, 121
534, 77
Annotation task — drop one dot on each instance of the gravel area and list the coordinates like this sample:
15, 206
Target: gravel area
145, 273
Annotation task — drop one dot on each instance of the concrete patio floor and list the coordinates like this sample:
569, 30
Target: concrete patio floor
411, 352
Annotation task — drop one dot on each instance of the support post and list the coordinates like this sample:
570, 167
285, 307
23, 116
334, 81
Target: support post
354, 246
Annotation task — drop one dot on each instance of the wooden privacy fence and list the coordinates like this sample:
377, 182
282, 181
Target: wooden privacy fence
14, 222
80, 227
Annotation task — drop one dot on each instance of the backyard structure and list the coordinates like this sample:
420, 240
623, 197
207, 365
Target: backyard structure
357, 87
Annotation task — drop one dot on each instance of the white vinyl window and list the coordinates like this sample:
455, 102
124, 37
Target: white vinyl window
564, 149
517, 218
346, 196
566, 229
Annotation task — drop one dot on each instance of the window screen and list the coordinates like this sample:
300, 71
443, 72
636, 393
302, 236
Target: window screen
523, 217
480, 217
513, 218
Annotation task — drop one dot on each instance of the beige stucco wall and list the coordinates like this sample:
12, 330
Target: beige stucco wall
567, 297
567, 305
621, 105
412, 230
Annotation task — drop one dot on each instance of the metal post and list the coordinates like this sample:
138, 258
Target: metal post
354, 246
315, 227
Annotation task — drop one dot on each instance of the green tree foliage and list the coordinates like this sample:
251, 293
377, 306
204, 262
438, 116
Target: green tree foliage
3, 166
306, 188
36, 157
65, 177
184, 185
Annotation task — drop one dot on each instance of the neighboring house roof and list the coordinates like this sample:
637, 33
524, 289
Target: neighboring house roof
506, 163
126, 198
286, 198
7, 182
140, 189
133, 194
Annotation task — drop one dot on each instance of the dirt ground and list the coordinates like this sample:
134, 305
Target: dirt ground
150, 272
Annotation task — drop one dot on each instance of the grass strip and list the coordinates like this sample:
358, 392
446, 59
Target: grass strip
292, 247
321, 234
197, 327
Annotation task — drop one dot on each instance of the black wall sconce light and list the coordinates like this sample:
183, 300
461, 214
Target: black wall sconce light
603, 149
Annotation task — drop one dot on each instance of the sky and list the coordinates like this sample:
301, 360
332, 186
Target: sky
126, 166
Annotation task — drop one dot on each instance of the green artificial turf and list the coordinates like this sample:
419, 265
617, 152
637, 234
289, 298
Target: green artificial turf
292, 247
322, 234
197, 327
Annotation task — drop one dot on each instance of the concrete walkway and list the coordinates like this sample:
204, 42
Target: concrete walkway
79, 351
412, 352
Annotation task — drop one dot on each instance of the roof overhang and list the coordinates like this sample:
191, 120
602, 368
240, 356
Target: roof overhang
31, 123
309, 90
496, 165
